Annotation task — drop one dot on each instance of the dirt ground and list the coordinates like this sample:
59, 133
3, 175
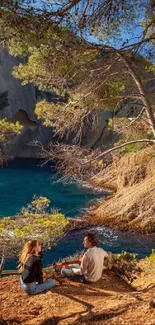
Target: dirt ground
110, 301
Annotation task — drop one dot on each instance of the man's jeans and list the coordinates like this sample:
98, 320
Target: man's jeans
69, 273
34, 289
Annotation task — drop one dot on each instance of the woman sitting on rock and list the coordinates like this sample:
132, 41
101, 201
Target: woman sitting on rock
30, 267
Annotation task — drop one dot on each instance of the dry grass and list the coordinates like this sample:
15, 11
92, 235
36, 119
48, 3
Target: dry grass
133, 205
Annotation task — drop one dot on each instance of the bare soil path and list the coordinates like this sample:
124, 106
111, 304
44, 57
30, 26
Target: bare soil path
110, 301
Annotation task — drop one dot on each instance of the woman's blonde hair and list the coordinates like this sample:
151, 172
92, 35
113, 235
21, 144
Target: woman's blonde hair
28, 250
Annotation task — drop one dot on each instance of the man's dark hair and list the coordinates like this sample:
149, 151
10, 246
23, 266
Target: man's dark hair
92, 238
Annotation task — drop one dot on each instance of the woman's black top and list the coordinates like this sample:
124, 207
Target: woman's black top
33, 270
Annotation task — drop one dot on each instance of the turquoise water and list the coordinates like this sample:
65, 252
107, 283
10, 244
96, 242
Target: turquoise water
21, 179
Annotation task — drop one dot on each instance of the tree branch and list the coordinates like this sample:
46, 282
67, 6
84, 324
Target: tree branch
3, 259
139, 115
63, 11
118, 147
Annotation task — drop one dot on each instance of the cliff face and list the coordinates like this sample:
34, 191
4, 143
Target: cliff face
19, 97
17, 103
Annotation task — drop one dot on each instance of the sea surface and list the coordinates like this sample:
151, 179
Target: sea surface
21, 179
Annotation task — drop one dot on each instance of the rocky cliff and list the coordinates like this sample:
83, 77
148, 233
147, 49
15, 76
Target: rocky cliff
17, 103
132, 207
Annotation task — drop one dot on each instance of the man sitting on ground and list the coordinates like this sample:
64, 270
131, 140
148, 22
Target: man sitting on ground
92, 263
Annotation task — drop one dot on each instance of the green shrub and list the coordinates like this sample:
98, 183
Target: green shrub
35, 222
134, 147
151, 261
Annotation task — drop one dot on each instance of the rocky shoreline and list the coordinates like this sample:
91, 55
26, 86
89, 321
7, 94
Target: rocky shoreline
131, 207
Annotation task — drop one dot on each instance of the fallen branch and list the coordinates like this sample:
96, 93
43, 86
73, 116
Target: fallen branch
118, 147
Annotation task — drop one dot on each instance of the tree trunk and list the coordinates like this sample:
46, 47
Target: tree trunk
3, 260
137, 79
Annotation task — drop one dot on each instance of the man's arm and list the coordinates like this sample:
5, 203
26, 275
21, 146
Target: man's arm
84, 264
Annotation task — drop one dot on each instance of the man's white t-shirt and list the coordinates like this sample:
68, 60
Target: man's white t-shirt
92, 264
